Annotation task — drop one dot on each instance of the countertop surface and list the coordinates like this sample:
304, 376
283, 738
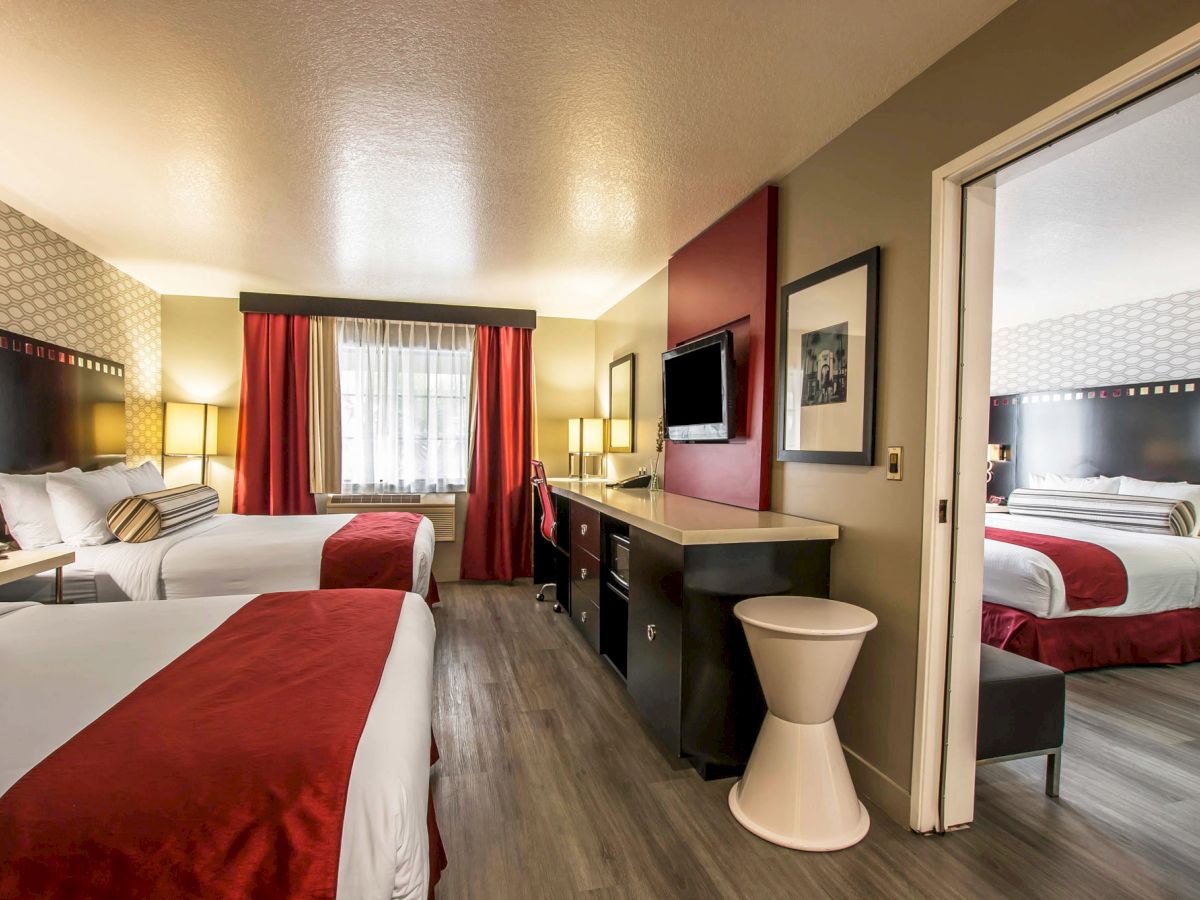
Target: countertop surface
686, 520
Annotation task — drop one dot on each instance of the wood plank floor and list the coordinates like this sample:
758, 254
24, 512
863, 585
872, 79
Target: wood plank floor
548, 786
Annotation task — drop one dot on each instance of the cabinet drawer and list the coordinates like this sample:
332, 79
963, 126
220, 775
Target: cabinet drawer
585, 609
585, 566
585, 528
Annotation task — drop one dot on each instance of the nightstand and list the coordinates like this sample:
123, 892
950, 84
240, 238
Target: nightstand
995, 508
18, 564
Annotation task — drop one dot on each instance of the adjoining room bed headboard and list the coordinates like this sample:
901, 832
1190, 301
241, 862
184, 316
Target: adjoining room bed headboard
1150, 431
58, 407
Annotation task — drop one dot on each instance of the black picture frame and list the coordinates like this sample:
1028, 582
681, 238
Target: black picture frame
865, 455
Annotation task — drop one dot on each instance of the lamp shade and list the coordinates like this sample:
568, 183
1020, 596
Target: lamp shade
189, 429
593, 436
999, 453
574, 435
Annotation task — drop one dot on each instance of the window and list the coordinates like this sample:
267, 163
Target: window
406, 396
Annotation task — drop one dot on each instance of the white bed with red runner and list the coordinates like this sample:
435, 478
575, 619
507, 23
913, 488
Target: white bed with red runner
231, 554
1163, 571
1080, 596
274, 746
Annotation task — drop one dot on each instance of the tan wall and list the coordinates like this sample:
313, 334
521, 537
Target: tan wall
564, 369
871, 186
638, 324
202, 363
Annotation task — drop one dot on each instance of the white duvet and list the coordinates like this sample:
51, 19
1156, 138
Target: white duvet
1163, 571
226, 554
61, 667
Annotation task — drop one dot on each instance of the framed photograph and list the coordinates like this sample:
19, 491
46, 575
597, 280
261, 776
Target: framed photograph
826, 378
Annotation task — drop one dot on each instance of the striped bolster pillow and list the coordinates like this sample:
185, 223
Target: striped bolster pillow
145, 517
1153, 515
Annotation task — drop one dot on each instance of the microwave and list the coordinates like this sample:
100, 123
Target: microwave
619, 555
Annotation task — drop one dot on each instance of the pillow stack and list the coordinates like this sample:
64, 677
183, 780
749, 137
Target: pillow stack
27, 511
70, 507
136, 520
1152, 515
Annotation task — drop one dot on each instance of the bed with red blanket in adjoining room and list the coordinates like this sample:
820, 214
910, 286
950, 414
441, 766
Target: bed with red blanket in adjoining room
139, 761
1079, 596
230, 554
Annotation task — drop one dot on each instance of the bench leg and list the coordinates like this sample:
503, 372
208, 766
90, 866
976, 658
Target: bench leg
1053, 772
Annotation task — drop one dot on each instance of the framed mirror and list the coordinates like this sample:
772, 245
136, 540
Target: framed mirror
825, 385
621, 417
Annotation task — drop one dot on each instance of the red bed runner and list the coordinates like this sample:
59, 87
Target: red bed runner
1088, 642
374, 550
223, 775
1093, 576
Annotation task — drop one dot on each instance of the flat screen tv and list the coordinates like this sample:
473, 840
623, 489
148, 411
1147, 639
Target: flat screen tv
700, 390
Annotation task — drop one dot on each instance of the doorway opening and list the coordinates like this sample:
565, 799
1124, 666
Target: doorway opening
1023, 231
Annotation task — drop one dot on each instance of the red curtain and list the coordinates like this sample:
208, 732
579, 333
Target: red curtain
497, 538
272, 450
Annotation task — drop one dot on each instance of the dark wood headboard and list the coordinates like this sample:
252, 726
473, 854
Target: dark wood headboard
58, 408
1149, 431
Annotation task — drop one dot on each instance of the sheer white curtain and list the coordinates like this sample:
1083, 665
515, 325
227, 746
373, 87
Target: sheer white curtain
406, 390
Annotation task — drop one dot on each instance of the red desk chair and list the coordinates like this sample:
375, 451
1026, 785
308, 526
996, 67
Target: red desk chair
548, 525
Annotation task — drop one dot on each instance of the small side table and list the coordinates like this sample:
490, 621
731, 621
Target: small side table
796, 790
18, 564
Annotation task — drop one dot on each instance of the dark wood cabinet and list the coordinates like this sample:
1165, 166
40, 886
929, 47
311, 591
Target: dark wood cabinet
585, 529
654, 649
673, 634
586, 614
585, 573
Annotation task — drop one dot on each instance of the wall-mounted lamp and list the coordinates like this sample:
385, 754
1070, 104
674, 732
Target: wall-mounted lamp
997, 453
585, 440
190, 430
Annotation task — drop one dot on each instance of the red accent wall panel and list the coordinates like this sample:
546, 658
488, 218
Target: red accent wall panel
725, 278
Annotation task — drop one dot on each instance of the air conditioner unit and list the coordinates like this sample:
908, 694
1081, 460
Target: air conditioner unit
437, 508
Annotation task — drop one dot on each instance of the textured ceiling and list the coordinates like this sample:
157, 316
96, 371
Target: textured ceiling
1114, 221
539, 154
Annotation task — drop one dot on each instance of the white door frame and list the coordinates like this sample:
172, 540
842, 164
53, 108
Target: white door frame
943, 774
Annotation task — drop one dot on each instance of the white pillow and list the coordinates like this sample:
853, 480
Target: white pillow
1096, 484
145, 479
27, 510
1171, 490
81, 501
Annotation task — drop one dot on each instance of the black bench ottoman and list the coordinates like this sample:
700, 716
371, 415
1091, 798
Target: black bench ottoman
1022, 711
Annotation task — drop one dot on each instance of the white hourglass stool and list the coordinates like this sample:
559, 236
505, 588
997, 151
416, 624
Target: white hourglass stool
796, 790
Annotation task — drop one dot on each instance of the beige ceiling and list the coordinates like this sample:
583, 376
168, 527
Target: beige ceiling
548, 154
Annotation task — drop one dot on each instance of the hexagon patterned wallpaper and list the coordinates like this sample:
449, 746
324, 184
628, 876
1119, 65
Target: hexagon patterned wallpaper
1151, 340
54, 290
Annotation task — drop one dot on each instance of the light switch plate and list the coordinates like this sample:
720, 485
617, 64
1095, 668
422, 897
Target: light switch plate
894, 465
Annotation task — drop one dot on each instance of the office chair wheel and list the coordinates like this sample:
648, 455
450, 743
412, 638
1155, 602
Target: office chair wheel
541, 597
558, 607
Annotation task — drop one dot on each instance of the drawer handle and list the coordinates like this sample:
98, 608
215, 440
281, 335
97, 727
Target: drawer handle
583, 528
651, 632
583, 617
583, 574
